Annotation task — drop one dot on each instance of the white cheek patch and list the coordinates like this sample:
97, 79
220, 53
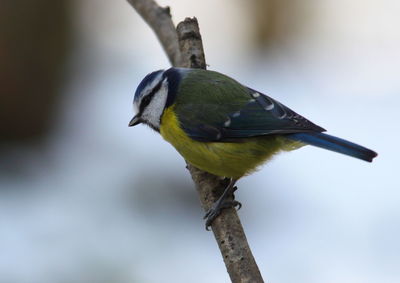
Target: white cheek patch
152, 113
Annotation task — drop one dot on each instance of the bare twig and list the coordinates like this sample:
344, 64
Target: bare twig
190, 44
227, 228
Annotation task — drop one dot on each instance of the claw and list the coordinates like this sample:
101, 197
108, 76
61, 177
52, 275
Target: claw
237, 204
221, 204
216, 210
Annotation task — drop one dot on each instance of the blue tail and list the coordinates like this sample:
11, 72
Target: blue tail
335, 144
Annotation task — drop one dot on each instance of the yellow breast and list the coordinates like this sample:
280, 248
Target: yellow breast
225, 159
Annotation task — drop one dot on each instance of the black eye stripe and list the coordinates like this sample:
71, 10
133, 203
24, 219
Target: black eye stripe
146, 100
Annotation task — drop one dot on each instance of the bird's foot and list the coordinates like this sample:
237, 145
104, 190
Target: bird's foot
216, 209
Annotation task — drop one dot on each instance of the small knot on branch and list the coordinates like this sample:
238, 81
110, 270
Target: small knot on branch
166, 10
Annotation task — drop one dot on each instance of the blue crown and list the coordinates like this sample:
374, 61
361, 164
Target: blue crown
147, 80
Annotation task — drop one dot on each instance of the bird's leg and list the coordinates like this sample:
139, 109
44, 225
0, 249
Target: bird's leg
222, 203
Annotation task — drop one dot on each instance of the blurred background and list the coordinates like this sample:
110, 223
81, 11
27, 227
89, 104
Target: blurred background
84, 198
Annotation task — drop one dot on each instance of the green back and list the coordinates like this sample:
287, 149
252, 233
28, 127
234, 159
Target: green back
213, 107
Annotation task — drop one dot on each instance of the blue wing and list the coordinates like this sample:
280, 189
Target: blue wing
255, 114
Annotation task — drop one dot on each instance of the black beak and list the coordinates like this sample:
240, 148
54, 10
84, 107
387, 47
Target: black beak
135, 120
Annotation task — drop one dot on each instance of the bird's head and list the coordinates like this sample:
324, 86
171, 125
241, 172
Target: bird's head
154, 93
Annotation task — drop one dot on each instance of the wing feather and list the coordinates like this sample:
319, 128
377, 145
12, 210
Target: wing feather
224, 116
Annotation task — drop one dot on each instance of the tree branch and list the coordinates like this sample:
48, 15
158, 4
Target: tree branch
228, 231
190, 44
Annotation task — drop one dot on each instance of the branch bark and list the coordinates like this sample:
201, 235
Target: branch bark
184, 48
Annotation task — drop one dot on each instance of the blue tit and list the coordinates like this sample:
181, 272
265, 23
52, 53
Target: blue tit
225, 128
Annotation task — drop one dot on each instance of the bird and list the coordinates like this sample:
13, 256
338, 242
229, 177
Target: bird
224, 127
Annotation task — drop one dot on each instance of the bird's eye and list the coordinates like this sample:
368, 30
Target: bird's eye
145, 101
